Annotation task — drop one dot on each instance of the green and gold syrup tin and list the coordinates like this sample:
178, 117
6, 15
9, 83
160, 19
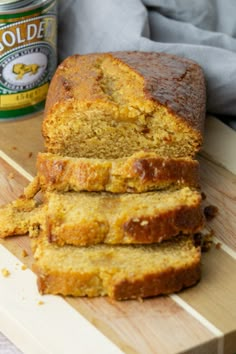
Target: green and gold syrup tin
28, 55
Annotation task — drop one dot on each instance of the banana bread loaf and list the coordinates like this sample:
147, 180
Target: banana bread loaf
138, 173
111, 105
121, 271
88, 217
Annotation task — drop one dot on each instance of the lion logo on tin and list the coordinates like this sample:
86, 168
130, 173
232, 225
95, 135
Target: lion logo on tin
21, 69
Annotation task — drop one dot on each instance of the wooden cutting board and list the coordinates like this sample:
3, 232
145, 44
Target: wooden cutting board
198, 320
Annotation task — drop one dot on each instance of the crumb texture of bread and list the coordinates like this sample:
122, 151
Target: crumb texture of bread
121, 272
138, 173
16, 217
89, 217
111, 105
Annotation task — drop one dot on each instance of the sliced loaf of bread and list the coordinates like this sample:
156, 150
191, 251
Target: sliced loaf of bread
89, 217
121, 271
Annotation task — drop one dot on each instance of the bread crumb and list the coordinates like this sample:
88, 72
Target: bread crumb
40, 302
24, 267
204, 240
136, 220
30, 155
218, 245
5, 272
14, 148
203, 196
24, 253
210, 212
145, 130
11, 175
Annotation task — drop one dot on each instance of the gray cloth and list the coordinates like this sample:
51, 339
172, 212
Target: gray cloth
202, 30
7, 347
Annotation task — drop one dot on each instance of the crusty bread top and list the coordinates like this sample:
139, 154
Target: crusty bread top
175, 82
172, 81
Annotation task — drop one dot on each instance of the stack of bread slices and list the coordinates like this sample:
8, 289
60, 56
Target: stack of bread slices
120, 182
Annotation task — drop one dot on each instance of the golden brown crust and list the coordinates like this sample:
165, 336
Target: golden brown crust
90, 218
64, 83
177, 83
140, 172
170, 281
185, 219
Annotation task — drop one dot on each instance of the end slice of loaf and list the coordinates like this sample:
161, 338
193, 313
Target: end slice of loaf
138, 173
89, 218
111, 105
121, 272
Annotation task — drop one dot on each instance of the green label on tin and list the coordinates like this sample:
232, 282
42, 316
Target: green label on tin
27, 62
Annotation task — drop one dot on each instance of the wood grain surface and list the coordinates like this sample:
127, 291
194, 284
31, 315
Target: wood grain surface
199, 320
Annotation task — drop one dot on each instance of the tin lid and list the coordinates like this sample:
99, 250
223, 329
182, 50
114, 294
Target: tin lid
13, 4
9, 5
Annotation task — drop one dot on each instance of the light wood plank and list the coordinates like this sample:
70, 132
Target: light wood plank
220, 188
220, 143
153, 326
215, 295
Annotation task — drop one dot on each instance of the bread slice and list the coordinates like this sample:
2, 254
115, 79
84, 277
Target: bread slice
121, 271
138, 173
111, 105
89, 218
